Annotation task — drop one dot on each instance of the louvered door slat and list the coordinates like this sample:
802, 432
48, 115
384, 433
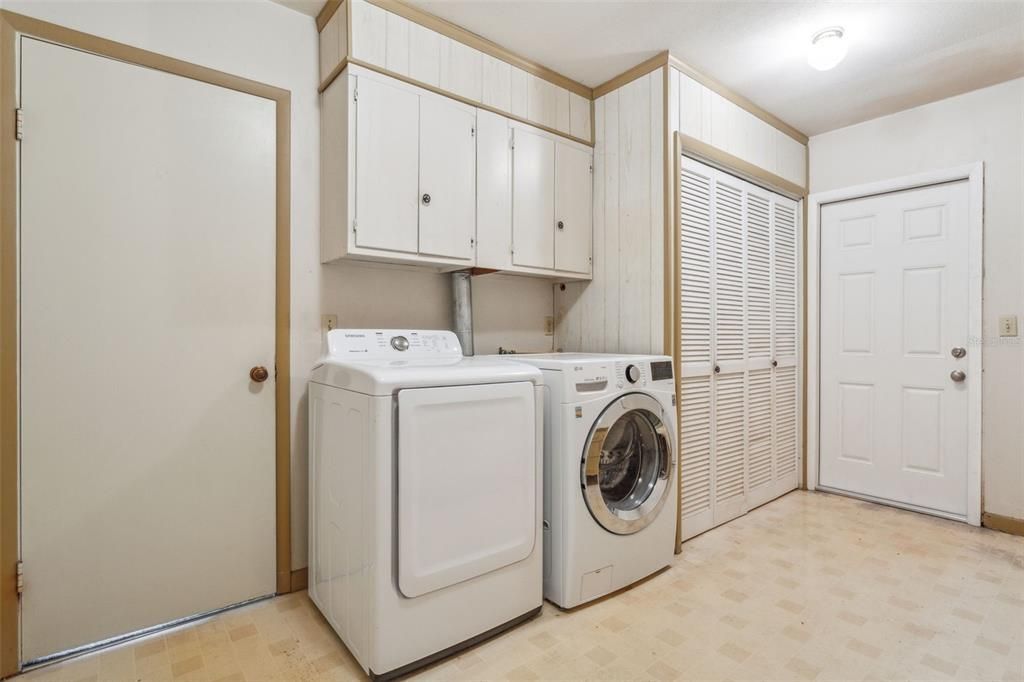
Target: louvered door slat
695, 459
695, 272
786, 427
729, 445
784, 287
730, 336
759, 268
759, 429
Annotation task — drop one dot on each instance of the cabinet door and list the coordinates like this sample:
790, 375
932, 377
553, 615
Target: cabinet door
493, 191
573, 208
533, 200
387, 127
447, 182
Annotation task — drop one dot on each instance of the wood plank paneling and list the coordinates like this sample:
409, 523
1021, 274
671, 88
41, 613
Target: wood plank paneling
716, 120
424, 55
520, 105
369, 33
497, 83
621, 309
396, 53
413, 46
611, 235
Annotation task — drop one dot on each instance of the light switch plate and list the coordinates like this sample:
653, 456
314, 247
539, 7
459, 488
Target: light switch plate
1008, 325
328, 322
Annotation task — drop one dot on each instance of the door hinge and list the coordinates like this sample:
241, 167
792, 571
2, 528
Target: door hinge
355, 94
19, 569
472, 132
19, 124
354, 225
591, 168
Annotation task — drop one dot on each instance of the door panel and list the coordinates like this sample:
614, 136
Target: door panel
387, 179
448, 175
533, 200
893, 305
573, 208
147, 293
467, 459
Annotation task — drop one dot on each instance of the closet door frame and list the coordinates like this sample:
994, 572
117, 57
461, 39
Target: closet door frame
974, 175
692, 148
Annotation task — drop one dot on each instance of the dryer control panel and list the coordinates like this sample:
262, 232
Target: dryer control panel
392, 343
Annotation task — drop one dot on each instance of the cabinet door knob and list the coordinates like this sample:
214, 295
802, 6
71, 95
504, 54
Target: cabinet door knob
717, 369
775, 363
561, 225
426, 199
259, 374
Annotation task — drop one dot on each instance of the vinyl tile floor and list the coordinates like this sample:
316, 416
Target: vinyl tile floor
810, 586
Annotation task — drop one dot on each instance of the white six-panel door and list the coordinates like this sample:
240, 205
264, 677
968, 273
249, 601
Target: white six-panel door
147, 280
738, 353
894, 306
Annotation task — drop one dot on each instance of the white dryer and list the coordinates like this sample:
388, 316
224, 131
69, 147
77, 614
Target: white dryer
425, 498
609, 472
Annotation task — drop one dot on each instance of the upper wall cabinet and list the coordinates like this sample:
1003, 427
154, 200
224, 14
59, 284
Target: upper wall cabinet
399, 173
534, 189
398, 46
411, 176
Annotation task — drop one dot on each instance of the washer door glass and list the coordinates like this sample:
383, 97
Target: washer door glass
627, 464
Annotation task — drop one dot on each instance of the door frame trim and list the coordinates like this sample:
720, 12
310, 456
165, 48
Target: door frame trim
13, 25
974, 175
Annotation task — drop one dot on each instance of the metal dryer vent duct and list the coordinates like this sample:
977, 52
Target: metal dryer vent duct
462, 310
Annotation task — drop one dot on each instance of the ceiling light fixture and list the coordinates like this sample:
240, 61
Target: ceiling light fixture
827, 48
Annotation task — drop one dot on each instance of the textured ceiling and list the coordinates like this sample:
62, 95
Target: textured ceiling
901, 54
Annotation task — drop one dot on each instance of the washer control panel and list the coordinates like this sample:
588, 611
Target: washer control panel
392, 343
631, 373
640, 372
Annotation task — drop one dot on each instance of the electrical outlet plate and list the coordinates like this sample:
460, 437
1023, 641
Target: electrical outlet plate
549, 326
1008, 325
328, 322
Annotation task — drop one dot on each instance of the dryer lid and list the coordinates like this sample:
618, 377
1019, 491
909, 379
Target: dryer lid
383, 361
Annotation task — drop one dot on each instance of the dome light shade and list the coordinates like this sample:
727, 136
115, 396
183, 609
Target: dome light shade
827, 48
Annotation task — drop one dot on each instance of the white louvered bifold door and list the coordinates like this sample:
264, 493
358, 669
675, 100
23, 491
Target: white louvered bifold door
785, 344
759, 347
695, 364
729, 345
738, 346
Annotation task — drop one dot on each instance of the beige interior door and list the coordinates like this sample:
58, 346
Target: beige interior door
147, 293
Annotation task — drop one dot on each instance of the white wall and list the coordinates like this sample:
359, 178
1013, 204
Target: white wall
622, 309
266, 42
985, 125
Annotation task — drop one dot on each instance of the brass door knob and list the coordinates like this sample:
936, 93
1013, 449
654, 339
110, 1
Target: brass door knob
259, 374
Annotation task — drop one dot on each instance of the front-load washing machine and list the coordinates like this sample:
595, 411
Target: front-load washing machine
425, 495
609, 472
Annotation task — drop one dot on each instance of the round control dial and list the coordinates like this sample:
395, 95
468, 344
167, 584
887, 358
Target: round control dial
633, 374
399, 343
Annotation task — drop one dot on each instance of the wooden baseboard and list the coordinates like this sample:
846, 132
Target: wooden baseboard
300, 578
1007, 524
